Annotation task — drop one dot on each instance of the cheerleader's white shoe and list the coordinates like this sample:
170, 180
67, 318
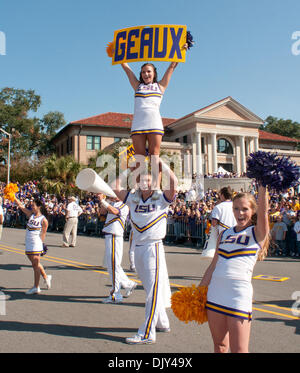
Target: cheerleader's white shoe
138, 340
34, 290
48, 281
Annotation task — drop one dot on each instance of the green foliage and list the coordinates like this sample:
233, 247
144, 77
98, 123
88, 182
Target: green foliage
283, 127
59, 175
30, 136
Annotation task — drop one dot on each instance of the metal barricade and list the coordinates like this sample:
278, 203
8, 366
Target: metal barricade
185, 232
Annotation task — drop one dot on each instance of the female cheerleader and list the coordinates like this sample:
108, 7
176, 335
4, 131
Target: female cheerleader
228, 277
35, 235
147, 123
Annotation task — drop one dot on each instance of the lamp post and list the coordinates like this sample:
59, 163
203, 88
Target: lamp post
8, 154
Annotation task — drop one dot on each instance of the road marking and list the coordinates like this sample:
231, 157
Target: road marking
270, 278
277, 313
90, 267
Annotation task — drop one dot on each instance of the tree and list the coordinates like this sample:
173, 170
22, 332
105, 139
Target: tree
45, 130
30, 136
59, 175
283, 127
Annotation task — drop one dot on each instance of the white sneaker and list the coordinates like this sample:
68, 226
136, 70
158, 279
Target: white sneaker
138, 340
129, 290
163, 330
33, 290
111, 300
48, 281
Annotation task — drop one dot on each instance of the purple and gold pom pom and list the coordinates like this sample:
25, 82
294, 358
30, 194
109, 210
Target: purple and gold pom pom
272, 171
189, 40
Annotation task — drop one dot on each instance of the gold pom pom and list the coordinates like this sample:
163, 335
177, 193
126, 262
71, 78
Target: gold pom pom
10, 190
110, 49
188, 304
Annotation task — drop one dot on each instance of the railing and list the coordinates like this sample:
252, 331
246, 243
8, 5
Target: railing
178, 232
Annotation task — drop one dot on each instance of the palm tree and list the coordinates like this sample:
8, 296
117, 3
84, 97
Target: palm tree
59, 175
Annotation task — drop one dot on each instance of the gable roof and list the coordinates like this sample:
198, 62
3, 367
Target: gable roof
238, 112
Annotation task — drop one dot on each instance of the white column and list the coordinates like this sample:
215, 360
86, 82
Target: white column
251, 150
198, 154
194, 155
256, 146
214, 152
243, 157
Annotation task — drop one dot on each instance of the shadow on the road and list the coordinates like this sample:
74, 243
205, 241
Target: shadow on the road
293, 323
16, 294
75, 331
13, 267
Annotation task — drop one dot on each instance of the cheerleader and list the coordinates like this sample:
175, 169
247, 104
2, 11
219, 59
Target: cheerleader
147, 123
148, 218
36, 229
229, 296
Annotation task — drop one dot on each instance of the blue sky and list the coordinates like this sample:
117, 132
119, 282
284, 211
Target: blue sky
243, 49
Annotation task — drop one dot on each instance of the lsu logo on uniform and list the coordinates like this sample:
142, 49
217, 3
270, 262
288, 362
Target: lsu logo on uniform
144, 208
236, 239
150, 43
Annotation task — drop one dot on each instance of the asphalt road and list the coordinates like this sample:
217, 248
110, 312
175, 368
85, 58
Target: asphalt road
70, 318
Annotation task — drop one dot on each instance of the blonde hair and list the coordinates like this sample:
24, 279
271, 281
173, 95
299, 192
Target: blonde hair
265, 247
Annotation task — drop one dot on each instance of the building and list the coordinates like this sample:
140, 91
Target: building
221, 134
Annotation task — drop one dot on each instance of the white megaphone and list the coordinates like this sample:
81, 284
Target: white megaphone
90, 181
209, 248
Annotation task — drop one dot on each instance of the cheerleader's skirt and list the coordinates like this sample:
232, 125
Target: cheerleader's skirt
230, 297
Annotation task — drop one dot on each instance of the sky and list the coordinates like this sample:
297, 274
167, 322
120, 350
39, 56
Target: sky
243, 49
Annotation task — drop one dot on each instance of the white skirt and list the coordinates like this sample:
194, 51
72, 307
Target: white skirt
147, 122
230, 297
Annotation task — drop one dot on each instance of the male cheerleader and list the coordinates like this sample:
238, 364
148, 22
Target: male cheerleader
149, 220
114, 232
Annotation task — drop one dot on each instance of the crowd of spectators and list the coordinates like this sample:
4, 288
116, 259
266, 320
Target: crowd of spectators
188, 220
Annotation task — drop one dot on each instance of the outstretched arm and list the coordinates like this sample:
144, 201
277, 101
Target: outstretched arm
167, 76
130, 74
172, 181
117, 185
20, 205
262, 226
163, 83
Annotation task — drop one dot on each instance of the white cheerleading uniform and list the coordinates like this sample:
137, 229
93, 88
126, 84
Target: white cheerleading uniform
230, 290
114, 231
147, 118
224, 214
33, 242
148, 219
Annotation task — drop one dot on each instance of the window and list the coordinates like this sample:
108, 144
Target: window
224, 146
93, 142
117, 139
